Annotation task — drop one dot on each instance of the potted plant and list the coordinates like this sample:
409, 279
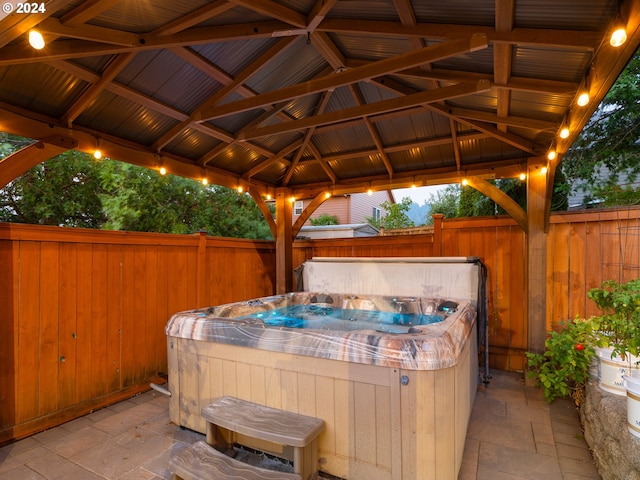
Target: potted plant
618, 331
614, 336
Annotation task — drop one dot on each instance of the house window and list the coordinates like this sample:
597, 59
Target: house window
377, 214
298, 207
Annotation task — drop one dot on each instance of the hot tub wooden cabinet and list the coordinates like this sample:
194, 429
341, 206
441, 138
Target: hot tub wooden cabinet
382, 421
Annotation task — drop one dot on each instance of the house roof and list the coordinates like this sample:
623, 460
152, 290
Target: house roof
312, 95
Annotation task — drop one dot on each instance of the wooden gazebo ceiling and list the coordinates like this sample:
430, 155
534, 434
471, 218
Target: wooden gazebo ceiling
312, 95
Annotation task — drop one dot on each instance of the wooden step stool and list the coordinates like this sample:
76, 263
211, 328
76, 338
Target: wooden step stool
201, 461
232, 420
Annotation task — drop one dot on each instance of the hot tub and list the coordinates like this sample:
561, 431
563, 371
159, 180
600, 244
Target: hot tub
395, 392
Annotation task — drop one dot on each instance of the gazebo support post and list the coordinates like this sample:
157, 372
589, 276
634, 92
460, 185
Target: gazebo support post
536, 254
284, 241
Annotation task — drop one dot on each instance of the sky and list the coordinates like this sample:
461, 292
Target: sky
419, 195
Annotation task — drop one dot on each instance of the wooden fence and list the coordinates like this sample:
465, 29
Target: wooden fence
82, 312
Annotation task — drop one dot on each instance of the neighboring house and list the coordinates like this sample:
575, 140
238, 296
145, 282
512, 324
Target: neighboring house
577, 200
349, 209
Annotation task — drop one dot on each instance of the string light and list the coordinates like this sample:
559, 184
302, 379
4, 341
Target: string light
564, 133
205, 181
583, 99
543, 170
618, 36
523, 176
36, 40
327, 195
551, 155
163, 171
369, 192
464, 182
240, 189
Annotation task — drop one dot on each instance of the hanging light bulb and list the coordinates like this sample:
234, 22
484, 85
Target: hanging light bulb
97, 153
268, 196
369, 192
36, 40
163, 171
205, 181
523, 177
551, 155
327, 195
618, 36
583, 99
240, 189
564, 133
465, 182
543, 170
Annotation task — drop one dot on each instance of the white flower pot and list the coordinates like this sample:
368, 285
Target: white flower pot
632, 385
613, 369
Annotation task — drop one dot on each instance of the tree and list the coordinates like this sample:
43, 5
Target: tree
606, 152
396, 216
64, 191
74, 190
324, 219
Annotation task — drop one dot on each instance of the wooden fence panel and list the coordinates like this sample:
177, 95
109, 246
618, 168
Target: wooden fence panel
83, 313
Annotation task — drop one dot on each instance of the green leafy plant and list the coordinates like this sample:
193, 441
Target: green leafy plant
563, 369
324, 219
618, 327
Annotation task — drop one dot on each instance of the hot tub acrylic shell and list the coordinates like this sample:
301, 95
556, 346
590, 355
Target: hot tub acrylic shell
384, 420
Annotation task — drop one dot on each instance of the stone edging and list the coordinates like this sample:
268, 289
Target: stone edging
604, 419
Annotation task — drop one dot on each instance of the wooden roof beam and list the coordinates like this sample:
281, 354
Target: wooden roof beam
194, 18
274, 10
502, 53
112, 70
579, 39
370, 109
63, 50
322, 104
373, 131
365, 72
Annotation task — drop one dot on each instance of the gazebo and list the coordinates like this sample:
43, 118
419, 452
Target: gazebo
305, 99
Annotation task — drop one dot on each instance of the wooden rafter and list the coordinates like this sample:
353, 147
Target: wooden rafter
365, 72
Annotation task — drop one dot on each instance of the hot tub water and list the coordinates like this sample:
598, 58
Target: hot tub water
325, 317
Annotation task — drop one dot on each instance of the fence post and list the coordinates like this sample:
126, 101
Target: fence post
201, 270
437, 234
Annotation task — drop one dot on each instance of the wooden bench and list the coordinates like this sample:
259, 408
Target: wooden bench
201, 461
281, 433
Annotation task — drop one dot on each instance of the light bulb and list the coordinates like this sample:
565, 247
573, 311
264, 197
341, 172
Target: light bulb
464, 182
97, 154
564, 133
583, 99
369, 192
543, 170
618, 37
240, 189
523, 176
205, 181
327, 195
551, 155
163, 171
36, 40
